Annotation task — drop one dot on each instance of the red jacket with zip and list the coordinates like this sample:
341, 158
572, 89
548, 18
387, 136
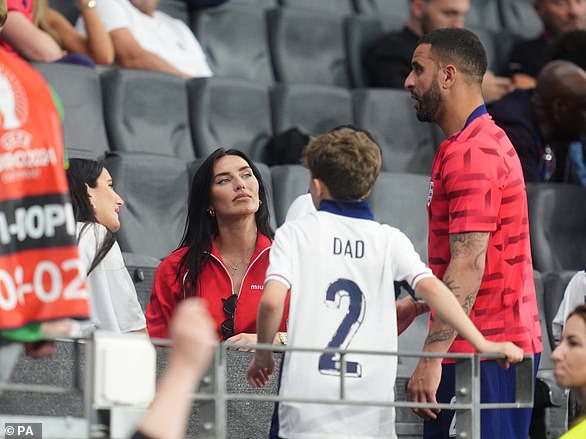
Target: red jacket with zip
214, 284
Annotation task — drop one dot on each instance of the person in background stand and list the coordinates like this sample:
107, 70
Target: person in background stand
388, 60
529, 56
39, 33
570, 358
543, 122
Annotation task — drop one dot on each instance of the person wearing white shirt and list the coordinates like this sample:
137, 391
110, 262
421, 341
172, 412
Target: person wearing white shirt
574, 295
147, 39
113, 301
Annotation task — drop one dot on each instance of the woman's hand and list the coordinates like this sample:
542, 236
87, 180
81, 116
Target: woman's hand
242, 338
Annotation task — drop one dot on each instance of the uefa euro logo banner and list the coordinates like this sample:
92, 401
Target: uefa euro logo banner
41, 275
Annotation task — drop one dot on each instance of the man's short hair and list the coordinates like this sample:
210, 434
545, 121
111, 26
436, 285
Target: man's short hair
3, 12
347, 161
459, 47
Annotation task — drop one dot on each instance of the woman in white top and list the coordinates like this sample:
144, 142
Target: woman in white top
113, 302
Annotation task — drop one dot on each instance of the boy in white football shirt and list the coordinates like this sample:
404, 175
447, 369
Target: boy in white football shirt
340, 266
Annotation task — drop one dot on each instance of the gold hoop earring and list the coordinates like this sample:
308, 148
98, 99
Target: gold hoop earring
211, 212
259, 202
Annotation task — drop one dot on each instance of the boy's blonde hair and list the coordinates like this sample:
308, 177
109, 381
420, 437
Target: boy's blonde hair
346, 160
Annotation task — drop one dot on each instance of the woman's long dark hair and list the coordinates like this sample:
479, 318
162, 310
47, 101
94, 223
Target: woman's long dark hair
80, 173
200, 227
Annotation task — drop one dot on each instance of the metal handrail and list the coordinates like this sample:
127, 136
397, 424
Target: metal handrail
467, 385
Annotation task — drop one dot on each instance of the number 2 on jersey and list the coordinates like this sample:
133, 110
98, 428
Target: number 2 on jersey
329, 363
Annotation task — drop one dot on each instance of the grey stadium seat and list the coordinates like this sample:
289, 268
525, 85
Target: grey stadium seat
175, 8
554, 284
400, 201
484, 13
80, 93
498, 45
557, 214
234, 37
339, 7
549, 399
155, 191
519, 17
147, 112
378, 8
314, 109
142, 271
229, 113
361, 33
407, 144
289, 182
307, 47
257, 3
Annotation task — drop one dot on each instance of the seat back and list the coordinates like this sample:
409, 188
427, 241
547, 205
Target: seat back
398, 9
142, 271
231, 113
174, 8
339, 7
314, 109
557, 214
407, 144
484, 13
554, 284
307, 47
155, 190
289, 182
497, 44
399, 200
79, 91
234, 37
146, 112
519, 17
361, 33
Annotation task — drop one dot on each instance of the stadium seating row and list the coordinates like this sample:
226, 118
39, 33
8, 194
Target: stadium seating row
137, 111
156, 188
323, 42
297, 45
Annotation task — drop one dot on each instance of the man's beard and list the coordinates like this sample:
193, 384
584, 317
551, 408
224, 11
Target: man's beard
429, 103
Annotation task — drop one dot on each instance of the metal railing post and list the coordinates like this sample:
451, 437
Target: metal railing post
467, 386
220, 402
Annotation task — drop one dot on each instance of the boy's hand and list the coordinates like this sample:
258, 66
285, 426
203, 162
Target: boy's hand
260, 369
513, 352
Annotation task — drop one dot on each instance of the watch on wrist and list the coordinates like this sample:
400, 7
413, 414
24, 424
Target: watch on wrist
90, 4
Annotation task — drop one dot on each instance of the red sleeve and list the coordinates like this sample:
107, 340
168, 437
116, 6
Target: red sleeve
473, 178
163, 300
24, 6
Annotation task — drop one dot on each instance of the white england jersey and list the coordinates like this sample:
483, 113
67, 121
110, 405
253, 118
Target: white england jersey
341, 272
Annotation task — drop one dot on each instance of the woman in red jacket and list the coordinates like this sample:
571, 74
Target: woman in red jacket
224, 252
